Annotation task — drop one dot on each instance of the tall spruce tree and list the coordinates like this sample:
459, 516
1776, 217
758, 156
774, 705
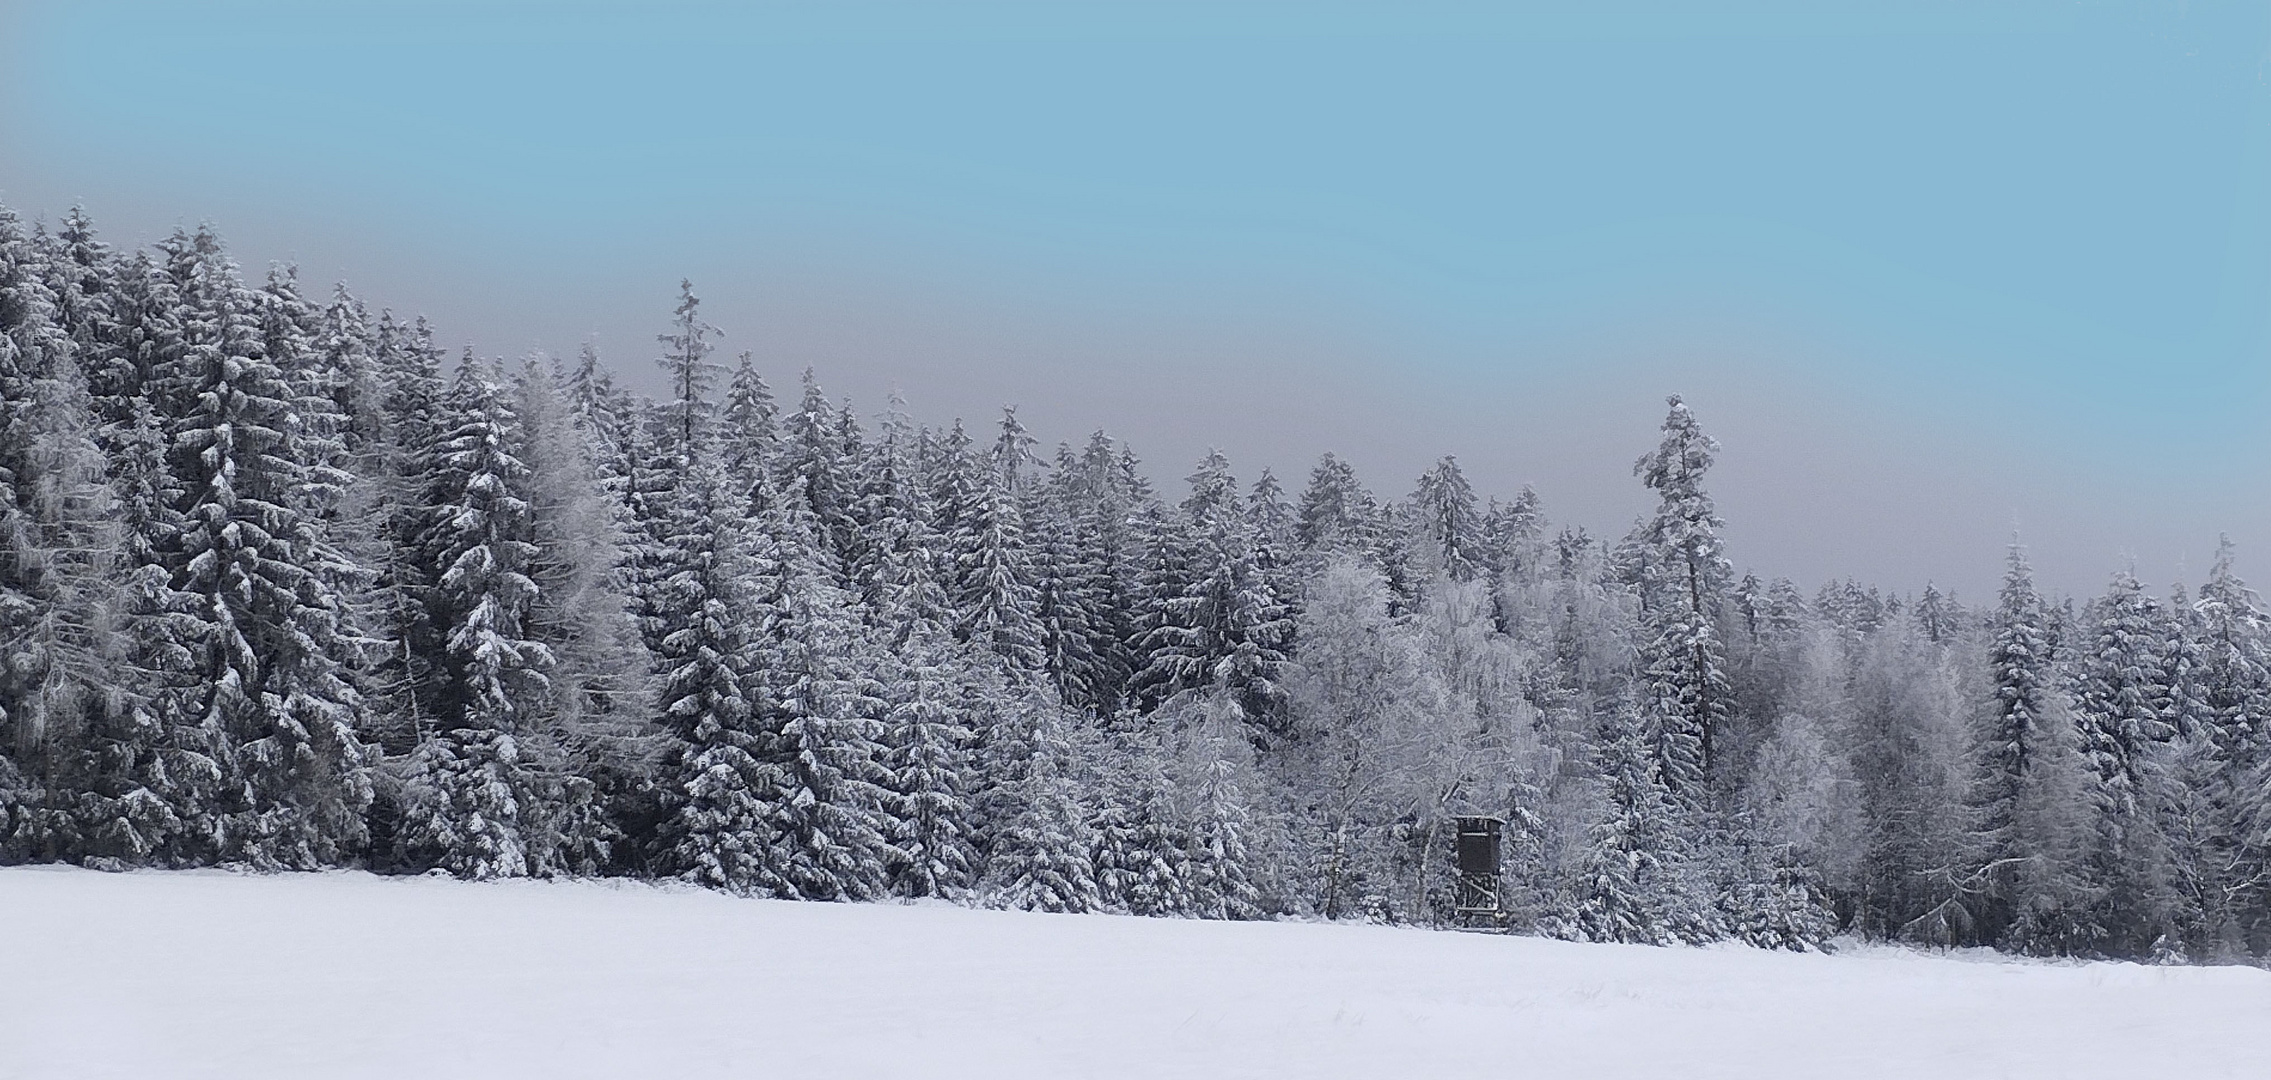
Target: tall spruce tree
2123, 694
829, 804
2019, 667
276, 654
474, 801
1687, 695
58, 556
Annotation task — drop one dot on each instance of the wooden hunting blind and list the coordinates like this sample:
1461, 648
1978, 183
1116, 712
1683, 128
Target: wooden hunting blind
1479, 849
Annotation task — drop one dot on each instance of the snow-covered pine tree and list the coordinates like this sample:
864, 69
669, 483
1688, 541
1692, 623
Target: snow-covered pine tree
473, 803
1335, 510
1629, 880
2123, 692
813, 463
149, 773
603, 414
1216, 763
828, 802
2223, 791
690, 413
2019, 667
276, 653
748, 436
1039, 858
997, 604
1141, 844
930, 742
1225, 626
58, 556
722, 766
1686, 691
1449, 522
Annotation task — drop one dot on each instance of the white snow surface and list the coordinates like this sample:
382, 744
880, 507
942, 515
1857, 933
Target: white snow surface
211, 974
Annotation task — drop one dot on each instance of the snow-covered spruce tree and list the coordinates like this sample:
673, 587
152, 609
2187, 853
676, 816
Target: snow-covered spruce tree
2018, 660
2119, 711
1225, 626
650, 485
1335, 510
1066, 604
894, 518
346, 370
1769, 898
821, 711
1215, 761
277, 653
153, 796
924, 677
603, 415
813, 463
1141, 844
1685, 688
399, 680
1092, 548
931, 769
1271, 520
997, 604
686, 360
1631, 881
720, 765
58, 556
143, 312
2011, 873
1449, 521
81, 274
748, 434
2221, 790
1040, 855
1515, 552
2185, 810
147, 773
2234, 667
472, 803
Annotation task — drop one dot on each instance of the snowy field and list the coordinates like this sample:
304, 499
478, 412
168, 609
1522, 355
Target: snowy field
208, 974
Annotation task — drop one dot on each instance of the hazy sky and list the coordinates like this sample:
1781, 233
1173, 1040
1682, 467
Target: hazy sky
1929, 271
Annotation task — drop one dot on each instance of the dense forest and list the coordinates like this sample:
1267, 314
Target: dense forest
283, 586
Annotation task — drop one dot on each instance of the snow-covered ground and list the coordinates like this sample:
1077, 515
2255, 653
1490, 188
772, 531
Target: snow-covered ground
189, 975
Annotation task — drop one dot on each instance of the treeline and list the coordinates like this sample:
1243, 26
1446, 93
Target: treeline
280, 588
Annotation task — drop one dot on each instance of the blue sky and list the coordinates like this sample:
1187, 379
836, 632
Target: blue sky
1939, 269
